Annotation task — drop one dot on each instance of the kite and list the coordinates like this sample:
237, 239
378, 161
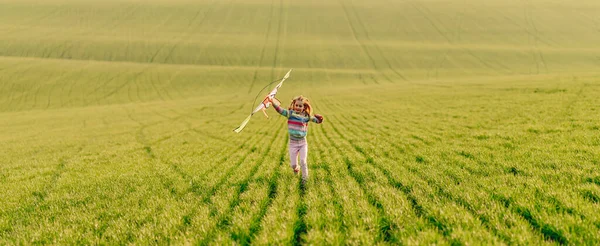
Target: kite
264, 104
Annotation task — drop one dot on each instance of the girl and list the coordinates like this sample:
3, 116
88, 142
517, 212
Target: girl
298, 114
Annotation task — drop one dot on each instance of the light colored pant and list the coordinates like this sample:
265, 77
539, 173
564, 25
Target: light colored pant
299, 148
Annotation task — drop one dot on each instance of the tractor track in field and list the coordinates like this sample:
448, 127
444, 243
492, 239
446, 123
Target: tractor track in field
244, 144
264, 47
10, 92
567, 109
190, 178
71, 100
422, 10
34, 96
189, 126
547, 231
147, 147
186, 34
336, 200
96, 90
120, 19
185, 66
377, 47
507, 18
6, 82
66, 47
437, 64
432, 21
242, 186
186, 37
417, 208
127, 82
255, 225
139, 135
34, 20
62, 48
172, 85
70, 92
354, 29
155, 27
143, 126
10, 66
18, 100
14, 95
176, 118
153, 80
4, 86
26, 94
68, 44
37, 205
208, 41
224, 220
420, 211
135, 83
276, 57
361, 44
82, 70
385, 225
150, 84
448, 195
169, 165
456, 38
300, 227
559, 205
531, 28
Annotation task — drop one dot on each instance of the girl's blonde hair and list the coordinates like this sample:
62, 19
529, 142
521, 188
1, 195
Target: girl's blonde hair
305, 101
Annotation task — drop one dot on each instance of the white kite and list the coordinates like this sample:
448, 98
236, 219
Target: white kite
264, 104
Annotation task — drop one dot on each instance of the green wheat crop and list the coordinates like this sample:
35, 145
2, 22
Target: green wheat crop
446, 122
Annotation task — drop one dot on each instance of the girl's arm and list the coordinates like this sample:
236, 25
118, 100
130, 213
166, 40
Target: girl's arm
317, 119
278, 108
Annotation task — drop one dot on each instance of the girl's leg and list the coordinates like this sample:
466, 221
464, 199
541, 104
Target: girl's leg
303, 155
293, 146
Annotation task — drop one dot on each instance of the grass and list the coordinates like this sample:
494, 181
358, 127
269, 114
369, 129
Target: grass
445, 122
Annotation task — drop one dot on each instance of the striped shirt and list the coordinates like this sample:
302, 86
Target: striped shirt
297, 123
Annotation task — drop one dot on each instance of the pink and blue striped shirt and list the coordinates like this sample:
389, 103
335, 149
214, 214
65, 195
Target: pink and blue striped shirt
297, 123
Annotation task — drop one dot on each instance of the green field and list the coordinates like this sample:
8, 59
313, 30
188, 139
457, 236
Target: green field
446, 122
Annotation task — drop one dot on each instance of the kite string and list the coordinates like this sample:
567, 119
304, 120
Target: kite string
253, 102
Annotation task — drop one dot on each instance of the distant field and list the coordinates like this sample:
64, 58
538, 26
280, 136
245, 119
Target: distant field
446, 122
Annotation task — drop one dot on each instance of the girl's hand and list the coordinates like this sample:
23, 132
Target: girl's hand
319, 118
267, 100
275, 101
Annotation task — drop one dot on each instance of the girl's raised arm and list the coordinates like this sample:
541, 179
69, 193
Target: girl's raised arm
278, 108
